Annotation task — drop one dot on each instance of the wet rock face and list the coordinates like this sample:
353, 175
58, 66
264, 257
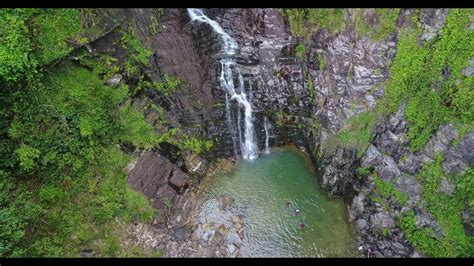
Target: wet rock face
349, 84
354, 69
190, 51
274, 79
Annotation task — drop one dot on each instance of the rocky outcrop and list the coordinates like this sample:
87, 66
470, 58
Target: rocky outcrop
157, 178
350, 83
399, 166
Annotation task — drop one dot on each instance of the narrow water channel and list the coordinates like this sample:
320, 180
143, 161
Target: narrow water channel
267, 192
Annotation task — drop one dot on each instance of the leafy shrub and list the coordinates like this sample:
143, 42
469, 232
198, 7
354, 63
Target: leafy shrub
27, 156
15, 46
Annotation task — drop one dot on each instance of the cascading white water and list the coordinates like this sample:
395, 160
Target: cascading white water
248, 146
267, 135
229, 123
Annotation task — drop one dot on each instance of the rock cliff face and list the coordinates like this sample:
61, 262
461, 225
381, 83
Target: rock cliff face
350, 83
189, 51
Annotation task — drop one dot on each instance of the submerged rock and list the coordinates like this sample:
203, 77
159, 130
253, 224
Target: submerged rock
234, 238
225, 202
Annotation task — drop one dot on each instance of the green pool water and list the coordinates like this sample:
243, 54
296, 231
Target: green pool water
261, 190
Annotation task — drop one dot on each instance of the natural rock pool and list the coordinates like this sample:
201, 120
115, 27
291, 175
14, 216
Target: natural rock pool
259, 191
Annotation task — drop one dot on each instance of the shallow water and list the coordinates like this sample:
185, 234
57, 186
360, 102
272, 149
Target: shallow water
261, 190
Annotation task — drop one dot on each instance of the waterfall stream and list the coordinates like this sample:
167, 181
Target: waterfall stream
248, 146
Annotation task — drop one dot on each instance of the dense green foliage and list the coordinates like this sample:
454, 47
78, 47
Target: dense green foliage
385, 20
446, 210
417, 78
386, 190
426, 76
304, 22
358, 132
185, 142
62, 181
52, 28
15, 45
168, 85
137, 55
300, 51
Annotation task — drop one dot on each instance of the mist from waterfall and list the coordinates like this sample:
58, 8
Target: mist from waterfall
248, 146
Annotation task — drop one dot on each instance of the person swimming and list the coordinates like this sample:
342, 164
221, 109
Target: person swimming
288, 204
297, 211
302, 225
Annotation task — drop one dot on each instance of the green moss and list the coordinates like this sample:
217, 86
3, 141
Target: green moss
15, 46
331, 19
422, 238
357, 134
311, 89
155, 21
27, 156
322, 61
386, 190
447, 212
315, 125
300, 51
280, 118
296, 19
381, 201
197, 145
186, 142
386, 20
364, 171
16, 213
137, 55
168, 85
52, 28
304, 22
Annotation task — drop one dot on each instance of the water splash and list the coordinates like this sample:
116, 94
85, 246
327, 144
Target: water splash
248, 146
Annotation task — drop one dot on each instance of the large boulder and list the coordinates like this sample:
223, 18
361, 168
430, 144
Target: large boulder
157, 178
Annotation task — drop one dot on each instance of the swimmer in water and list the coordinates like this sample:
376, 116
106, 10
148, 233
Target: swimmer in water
302, 225
288, 204
297, 211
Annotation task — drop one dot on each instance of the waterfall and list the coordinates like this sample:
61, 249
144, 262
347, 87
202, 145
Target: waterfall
229, 123
248, 146
267, 135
